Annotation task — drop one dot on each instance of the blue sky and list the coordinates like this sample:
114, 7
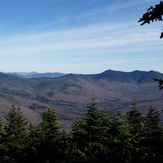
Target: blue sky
78, 36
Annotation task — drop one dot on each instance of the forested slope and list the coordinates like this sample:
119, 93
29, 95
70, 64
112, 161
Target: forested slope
70, 94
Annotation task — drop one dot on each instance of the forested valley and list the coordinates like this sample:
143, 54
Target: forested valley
100, 136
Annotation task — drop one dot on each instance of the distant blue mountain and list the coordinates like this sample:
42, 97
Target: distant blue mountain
34, 74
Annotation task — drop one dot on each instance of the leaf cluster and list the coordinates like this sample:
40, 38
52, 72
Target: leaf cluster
154, 13
160, 82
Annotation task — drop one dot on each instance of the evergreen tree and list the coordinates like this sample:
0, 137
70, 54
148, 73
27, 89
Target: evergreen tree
119, 140
136, 122
79, 141
124, 143
49, 136
153, 136
87, 134
112, 140
15, 135
105, 138
135, 119
93, 127
2, 154
101, 137
65, 146
32, 145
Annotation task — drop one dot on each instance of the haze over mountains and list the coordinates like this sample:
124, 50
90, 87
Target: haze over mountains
34, 74
70, 94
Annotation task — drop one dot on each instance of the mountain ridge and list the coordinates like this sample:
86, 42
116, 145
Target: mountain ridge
128, 76
71, 93
34, 74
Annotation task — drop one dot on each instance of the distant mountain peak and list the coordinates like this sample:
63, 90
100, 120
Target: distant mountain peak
34, 74
134, 76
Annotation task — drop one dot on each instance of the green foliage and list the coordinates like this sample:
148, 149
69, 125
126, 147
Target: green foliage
154, 13
99, 137
15, 134
48, 138
1, 140
153, 136
135, 119
86, 133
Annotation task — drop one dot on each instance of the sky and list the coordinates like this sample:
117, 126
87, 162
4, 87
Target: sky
78, 36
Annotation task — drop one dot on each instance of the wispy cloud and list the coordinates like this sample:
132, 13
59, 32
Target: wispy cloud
98, 40
91, 37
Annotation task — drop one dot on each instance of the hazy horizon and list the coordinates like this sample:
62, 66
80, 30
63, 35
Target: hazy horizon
28, 72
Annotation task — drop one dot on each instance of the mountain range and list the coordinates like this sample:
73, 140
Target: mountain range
34, 74
71, 94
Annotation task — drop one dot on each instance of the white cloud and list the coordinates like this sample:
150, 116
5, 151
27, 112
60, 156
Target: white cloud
115, 43
127, 35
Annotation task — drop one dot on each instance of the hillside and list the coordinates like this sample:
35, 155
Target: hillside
71, 94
